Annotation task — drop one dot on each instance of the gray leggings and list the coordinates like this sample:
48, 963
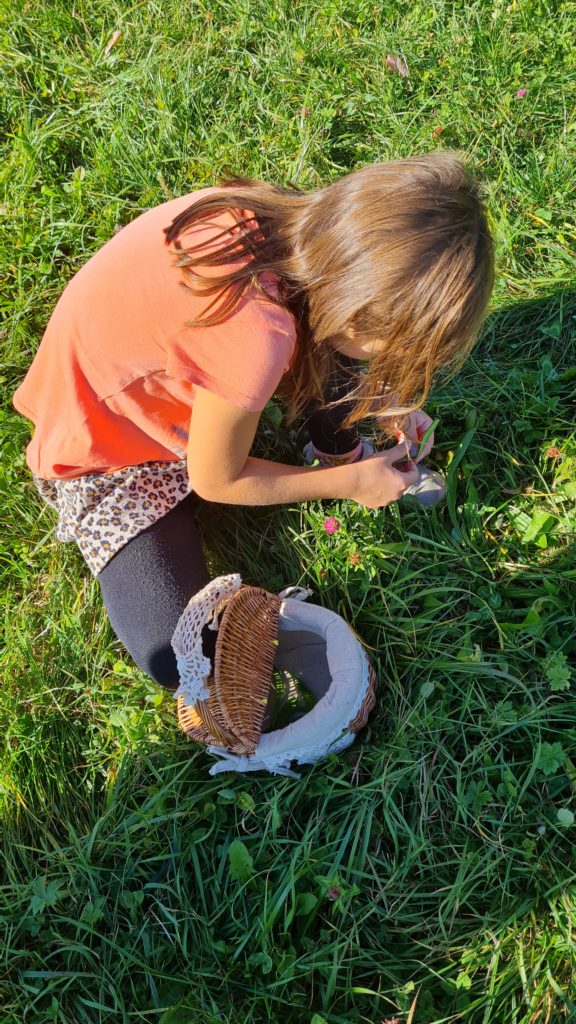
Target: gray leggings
148, 583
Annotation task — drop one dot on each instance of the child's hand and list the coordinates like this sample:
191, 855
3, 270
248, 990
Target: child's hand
377, 482
412, 429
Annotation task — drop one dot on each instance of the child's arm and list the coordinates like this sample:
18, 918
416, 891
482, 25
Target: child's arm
220, 467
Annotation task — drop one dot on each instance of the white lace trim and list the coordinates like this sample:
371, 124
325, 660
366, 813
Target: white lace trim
276, 765
279, 764
194, 667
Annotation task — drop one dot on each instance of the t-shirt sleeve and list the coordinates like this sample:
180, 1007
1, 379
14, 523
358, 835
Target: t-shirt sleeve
243, 358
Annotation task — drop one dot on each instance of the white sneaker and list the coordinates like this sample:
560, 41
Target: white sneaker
429, 489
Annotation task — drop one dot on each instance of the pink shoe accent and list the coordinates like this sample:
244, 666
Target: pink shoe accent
345, 459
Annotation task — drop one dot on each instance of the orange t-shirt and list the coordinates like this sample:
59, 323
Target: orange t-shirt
113, 381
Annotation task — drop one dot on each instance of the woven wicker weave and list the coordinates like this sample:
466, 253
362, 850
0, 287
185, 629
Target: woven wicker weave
368, 704
199, 723
239, 690
244, 662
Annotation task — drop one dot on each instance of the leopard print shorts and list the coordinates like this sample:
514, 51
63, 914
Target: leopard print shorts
103, 511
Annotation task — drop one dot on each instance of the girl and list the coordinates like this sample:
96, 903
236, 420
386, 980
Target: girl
165, 347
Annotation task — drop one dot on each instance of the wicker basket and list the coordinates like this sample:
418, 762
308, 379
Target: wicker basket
239, 692
240, 687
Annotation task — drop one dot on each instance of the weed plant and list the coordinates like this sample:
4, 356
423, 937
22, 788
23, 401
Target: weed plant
427, 875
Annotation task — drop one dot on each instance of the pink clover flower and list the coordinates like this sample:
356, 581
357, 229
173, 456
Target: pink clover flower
331, 524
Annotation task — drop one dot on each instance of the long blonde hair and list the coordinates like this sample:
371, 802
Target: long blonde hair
400, 252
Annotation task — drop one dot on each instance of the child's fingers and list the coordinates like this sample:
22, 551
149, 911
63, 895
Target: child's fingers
398, 458
409, 472
411, 446
398, 453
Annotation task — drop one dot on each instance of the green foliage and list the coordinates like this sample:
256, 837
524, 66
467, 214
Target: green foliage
241, 863
557, 671
427, 874
550, 758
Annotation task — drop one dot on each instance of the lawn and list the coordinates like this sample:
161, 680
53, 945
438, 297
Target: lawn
429, 874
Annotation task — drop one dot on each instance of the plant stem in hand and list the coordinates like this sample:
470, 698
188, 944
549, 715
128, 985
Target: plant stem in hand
426, 438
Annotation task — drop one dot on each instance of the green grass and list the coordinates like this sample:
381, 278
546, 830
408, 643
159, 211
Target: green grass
428, 874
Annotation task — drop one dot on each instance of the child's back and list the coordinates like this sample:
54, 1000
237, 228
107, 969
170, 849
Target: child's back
119, 365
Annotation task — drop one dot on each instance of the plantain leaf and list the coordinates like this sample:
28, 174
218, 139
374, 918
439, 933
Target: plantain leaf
241, 862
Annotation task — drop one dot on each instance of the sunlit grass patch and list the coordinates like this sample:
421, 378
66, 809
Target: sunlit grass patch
428, 874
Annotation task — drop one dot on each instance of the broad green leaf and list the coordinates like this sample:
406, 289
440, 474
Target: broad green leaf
519, 519
246, 801
94, 910
551, 758
540, 521
274, 414
505, 712
241, 862
557, 671
305, 903
476, 796
261, 960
